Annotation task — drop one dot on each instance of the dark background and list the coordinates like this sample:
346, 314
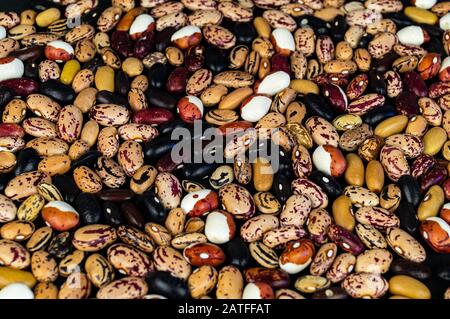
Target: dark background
15, 5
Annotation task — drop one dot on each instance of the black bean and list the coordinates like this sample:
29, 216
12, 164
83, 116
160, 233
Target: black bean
375, 116
66, 185
62, 93
133, 215
244, 32
151, 207
237, 252
163, 283
281, 186
328, 183
106, 97
27, 161
89, 208
112, 214
87, 159
122, 83
410, 268
215, 59
161, 98
407, 216
410, 189
316, 105
162, 39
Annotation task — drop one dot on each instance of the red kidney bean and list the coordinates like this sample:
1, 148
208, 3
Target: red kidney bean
153, 116
176, 83
406, 104
121, 42
11, 130
21, 87
145, 44
336, 97
413, 83
279, 62
195, 58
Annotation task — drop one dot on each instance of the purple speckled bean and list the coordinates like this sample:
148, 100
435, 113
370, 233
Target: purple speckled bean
422, 164
348, 241
435, 176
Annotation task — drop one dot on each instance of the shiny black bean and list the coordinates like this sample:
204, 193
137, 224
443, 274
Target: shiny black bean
413, 269
31, 69
328, 183
316, 105
62, 93
435, 260
4, 180
132, 214
89, 208
410, 189
161, 98
407, 216
281, 186
244, 32
198, 172
365, 40
377, 83
66, 185
339, 27
122, 83
112, 214
237, 253
5, 96
151, 207
106, 97
156, 148
27, 161
216, 59
158, 75
162, 39
375, 116
163, 283
87, 159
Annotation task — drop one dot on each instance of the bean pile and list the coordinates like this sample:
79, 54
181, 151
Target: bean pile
355, 94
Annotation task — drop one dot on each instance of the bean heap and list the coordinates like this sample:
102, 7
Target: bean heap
355, 94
